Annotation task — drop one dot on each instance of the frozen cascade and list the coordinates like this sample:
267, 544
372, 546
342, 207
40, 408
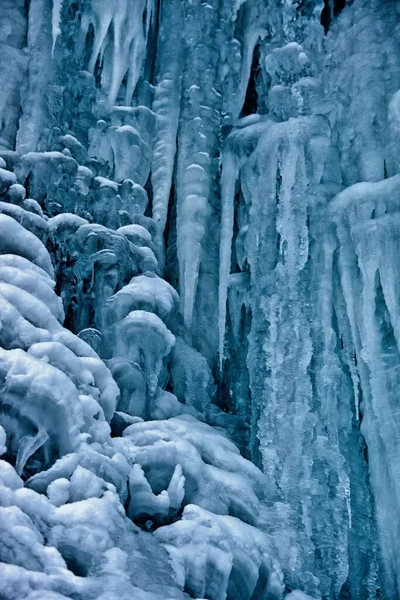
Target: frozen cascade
199, 300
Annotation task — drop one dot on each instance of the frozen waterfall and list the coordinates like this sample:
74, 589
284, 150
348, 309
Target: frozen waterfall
199, 299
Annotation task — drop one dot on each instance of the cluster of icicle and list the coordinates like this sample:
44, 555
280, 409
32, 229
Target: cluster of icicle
85, 479
113, 482
310, 249
110, 486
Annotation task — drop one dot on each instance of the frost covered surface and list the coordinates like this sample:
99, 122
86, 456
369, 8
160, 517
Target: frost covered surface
199, 262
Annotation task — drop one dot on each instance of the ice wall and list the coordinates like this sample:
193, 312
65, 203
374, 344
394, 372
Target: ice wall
311, 251
199, 262
110, 485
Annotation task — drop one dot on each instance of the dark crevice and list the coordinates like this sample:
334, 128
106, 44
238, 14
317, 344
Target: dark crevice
171, 274
222, 396
236, 230
73, 10
388, 338
149, 190
250, 106
147, 522
332, 9
73, 564
89, 42
338, 7
278, 184
306, 8
149, 71
167, 228
326, 16
27, 186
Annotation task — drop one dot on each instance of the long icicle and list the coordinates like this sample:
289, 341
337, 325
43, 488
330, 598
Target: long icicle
228, 183
166, 106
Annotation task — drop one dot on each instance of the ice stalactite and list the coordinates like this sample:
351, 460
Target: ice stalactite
166, 106
197, 156
367, 227
56, 21
228, 183
238, 147
13, 30
35, 110
119, 43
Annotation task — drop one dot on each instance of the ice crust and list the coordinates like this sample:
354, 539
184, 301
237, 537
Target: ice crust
84, 495
199, 300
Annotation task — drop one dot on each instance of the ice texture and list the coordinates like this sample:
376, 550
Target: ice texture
199, 300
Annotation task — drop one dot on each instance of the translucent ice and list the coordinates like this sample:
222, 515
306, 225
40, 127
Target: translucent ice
199, 261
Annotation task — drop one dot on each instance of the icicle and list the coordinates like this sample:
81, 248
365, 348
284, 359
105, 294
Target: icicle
239, 146
118, 24
150, 13
176, 488
166, 106
128, 51
56, 18
228, 182
197, 166
101, 29
189, 250
193, 216
38, 76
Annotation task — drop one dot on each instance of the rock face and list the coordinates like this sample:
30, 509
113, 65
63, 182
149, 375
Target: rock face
199, 299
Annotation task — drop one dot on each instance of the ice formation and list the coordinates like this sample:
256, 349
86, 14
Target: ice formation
199, 299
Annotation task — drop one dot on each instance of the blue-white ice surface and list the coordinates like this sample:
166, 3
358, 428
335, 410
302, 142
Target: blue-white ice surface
199, 300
